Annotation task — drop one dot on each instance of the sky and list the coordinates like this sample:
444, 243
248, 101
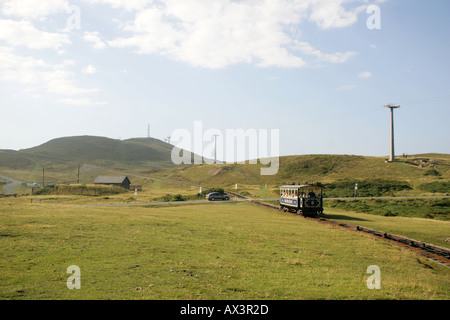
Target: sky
318, 71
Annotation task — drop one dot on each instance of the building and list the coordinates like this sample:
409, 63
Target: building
119, 181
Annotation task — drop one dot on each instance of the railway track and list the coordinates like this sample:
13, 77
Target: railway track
431, 251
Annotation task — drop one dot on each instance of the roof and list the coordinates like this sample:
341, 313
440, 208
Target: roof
111, 179
296, 186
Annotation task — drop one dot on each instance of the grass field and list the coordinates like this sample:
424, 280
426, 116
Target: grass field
431, 208
203, 251
426, 230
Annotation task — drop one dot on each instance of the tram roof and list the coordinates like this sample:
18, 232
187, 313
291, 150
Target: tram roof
297, 186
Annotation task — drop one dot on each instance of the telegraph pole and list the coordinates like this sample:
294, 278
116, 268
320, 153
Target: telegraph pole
392, 107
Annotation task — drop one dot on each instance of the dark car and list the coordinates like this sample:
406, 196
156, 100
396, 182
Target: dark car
217, 196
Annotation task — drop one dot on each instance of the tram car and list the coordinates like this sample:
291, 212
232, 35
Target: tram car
301, 199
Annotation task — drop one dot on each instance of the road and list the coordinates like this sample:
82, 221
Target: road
9, 187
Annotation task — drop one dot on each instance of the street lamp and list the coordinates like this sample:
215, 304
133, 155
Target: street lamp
392, 107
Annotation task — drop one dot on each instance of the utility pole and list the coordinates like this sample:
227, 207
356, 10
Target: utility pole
43, 174
215, 148
148, 131
392, 107
78, 177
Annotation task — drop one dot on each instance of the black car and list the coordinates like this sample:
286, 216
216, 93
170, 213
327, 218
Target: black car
217, 196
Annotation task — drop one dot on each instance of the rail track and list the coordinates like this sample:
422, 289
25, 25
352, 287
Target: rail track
436, 253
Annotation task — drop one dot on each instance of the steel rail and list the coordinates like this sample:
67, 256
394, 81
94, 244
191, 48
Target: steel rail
431, 251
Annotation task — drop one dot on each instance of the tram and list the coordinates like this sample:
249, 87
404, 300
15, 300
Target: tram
304, 199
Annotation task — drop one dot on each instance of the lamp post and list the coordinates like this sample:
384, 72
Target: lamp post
392, 107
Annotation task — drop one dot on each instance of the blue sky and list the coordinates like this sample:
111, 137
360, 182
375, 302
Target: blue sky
311, 69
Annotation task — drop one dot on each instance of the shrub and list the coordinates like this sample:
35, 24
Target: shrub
443, 187
170, 197
365, 188
82, 190
432, 172
215, 189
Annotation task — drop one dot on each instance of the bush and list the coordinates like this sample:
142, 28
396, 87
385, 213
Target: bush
215, 189
443, 187
432, 172
81, 190
170, 197
421, 208
375, 188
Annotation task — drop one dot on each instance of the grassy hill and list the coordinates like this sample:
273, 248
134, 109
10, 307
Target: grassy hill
408, 175
96, 155
100, 150
149, 157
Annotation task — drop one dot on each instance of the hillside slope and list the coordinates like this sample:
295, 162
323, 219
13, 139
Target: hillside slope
95, 155
100, 150
62, 158
411, 172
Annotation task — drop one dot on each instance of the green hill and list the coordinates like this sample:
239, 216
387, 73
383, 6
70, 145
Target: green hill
62, 157
11, 159
100, 150
96, 155
339, 172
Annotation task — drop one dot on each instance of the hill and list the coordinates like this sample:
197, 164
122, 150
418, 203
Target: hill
96, 155
340, 172
100, 150
149, 157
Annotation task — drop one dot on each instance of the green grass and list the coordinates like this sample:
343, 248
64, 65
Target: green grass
365, 188
84, 190
415, 175
434, 208
437, 186
337, 171
427, 230
220, 251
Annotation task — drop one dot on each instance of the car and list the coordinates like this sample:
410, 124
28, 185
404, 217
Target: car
217, 196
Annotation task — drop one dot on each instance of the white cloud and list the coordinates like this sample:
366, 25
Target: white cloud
347, 87
33, 9
23, 70
89, 69
81, 101
125, 4
365, 75
331, 14
338, 57
38, 75
94, 38
218, 33
23, 33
